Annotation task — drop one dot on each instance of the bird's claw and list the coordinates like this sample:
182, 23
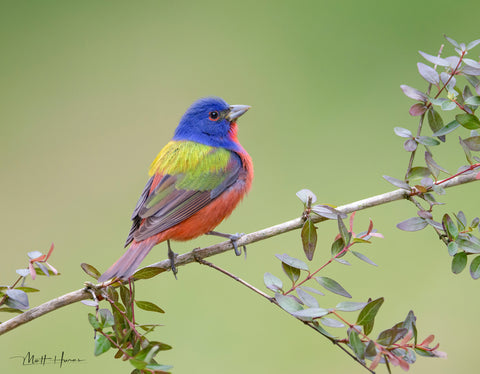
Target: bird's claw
234, 239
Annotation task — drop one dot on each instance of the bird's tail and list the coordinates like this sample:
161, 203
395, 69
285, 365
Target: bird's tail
126, 265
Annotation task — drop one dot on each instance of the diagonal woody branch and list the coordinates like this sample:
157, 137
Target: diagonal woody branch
294, 224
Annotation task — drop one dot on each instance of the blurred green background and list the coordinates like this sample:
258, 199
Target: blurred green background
90, 91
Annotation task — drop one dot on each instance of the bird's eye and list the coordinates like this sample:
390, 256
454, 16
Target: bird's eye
213, 116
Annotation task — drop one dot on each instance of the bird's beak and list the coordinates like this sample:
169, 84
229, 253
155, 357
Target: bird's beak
236, 111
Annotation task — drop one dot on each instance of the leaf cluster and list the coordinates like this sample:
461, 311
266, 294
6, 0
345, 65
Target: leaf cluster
117, 329
14, 298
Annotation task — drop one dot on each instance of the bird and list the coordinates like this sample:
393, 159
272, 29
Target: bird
196, 181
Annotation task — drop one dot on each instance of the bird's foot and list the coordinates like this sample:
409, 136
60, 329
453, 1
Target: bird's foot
233, 238
171, 256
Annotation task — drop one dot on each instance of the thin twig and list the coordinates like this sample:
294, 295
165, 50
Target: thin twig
234, 277
273, 301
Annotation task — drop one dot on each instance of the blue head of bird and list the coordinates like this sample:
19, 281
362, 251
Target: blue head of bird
210, 121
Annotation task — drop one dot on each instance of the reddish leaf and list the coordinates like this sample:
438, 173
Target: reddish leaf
417, 109
427, 340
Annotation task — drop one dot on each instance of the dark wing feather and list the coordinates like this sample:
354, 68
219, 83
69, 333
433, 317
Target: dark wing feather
166, 206
135, 218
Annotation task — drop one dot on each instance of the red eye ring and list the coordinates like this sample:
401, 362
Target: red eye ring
213, 116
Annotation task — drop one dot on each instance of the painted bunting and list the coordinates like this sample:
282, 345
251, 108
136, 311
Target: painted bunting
195, 182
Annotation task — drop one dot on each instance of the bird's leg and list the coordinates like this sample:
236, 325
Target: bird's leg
233, 238
171, 257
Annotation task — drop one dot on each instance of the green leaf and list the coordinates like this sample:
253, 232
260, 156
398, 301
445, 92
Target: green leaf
475, 268
43, 270
292, 273
461, 220
468, 245
418, 172
344, 233
390, 336
309, 238
356, 344
473, 100
313, 290
360, 240
412, 224
331, 322
448, 105
402, 132
147, 273
148, 306
327, 212
349, 306
310, 313
435, 121
469, 121
101, 345
161, 346
288, 303
452, 248
459, 262
410, 324
112, 293
17, 299
10, 310
320, 329
93, 321
473, 44
475, 223
332, 286
426, 140
432, 165
370, 350
106, 318
272, 282
90, 270
158, 367
466, 150
368, 313
363, 258
449, 227
342, 261
127, 300
307, 299
424, 353
397, 182
137, 364
449, 127
473, 143
27, 289
293, 262
337, 247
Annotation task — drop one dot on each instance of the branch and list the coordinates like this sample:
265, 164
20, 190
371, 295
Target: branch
297, 223
294, 224
49, 306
